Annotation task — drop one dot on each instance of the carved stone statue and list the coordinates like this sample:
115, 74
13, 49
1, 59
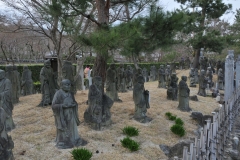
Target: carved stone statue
135, 76
111, 84
196, 75
192, 78
202, 84
6, 143
172, 90
161, 77
183, 97
145, 74
65, 110
187, 63
209, 77
141, 100
168, 73
220, 79
121, 79
153, 73
6, 100
27, 82
181, 63
68, 73
48, 84
173, 67
99, 104
129, 76
13, 75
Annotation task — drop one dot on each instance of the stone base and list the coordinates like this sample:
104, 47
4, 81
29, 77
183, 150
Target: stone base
192, 85
143, 120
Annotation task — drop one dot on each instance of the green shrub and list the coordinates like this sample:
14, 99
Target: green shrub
81, 154
178, 129
130, 144
179, 121
130, 131
170, 116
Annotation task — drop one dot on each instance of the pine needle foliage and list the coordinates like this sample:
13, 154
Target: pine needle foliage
170, 116
81, 154
130, 144
179, 121
130, 131
178, 129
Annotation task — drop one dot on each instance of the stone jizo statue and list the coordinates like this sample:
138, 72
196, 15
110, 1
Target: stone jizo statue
98, 112
153, 73
6, 100
161, 77
183, 97
202, 84
145, 74
111, 84
68, 73
220, 79
172, 90
168, 73
141, 100
48, 84
192, 78
121, 79
27, 82
6, 143
65, 110
209, 77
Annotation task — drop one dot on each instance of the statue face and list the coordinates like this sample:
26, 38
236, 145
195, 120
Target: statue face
66, 85
2, 75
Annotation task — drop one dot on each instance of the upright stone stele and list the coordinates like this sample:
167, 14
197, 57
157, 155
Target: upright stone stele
141, 100
65, 110
6, 100
184, 92
48, 84
6, 143
161, 77
220, 79
98, 112
192, 78
202, 84
27, 82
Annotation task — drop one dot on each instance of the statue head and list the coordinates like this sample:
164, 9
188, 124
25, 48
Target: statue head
97, 80
173, 75
66, 85
184, 78
140, 79
47, 63
2, 74
139, 71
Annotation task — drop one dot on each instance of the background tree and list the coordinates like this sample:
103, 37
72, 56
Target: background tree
196, 25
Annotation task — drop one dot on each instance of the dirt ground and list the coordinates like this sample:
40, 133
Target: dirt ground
35, 129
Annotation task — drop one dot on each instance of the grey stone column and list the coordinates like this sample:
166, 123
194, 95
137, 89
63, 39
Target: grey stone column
229, 75
238, 72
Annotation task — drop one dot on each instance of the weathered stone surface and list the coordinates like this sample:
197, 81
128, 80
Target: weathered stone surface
111, 84
99, 104
168, 73
192, 78
201, 119
68, 73
27, 82
6, 100
193, 98
202, 84
172, 91
141, 100
161, 77
129, 77
65, 109
48, 84
121, 79
183, 97
6, 143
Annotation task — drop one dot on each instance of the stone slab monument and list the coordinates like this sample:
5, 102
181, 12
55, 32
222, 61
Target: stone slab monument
65, 110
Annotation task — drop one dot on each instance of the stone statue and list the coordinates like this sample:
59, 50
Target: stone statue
6, 100
111, 84
129, 76
135, 76
27, 82
161, 77
65, 110
6, 143
183, 97
145, 74
98, 112
187, 63
68, 73
121, 79
196, 75
202, 84
13, 75
168, 73
218, 65
220, 79
141, 100
153, 73
181, 63
48, 84
172, 90
209, 77
173, 67
192, 78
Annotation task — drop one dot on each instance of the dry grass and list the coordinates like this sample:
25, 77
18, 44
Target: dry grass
35, 128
